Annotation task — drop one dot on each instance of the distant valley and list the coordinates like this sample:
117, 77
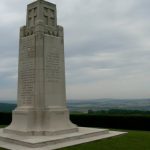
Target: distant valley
107, 104
95, 105
7, 107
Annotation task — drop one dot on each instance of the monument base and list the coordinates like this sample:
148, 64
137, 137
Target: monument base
16, 142
31, 122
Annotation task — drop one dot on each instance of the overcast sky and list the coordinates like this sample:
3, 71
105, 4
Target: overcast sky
107, 47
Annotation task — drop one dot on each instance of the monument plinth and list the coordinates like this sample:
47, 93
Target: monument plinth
41, 119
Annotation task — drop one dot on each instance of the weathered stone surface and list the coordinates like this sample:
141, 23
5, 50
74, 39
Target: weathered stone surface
41, 79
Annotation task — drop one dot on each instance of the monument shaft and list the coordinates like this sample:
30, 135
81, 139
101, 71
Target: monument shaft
41, 102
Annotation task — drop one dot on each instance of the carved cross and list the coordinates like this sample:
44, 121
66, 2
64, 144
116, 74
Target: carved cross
32, 16
49, 15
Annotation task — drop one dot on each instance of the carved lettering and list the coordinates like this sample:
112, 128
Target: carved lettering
53, 66
27, 71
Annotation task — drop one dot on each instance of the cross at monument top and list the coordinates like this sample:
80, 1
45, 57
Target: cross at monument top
44, 11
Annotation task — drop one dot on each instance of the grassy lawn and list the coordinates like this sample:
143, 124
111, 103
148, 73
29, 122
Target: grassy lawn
2, 126
134, 140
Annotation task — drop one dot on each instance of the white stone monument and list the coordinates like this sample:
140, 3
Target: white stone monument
41, 119
41, 80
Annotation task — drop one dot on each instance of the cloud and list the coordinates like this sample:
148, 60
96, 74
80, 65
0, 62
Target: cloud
107, 46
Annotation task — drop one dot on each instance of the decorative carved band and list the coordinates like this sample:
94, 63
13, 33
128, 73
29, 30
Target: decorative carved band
58, 31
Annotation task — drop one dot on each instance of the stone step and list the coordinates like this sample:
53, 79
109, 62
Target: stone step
52, 142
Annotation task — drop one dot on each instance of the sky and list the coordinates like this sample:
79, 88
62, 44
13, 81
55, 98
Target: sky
107, 47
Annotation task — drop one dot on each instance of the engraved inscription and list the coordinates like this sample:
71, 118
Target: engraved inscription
27, 70
53, 66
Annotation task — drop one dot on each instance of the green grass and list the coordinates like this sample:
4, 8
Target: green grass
134, 140
2, 126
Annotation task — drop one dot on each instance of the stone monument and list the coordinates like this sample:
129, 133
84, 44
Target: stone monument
41, 79
41, 119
